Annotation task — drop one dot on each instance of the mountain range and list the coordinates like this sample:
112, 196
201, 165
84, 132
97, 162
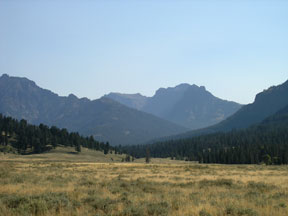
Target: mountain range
252, 145
266, 104
132, 118
187, 105
105, 119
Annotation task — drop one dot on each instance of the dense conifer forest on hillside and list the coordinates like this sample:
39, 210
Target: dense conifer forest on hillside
26, 138
266, 142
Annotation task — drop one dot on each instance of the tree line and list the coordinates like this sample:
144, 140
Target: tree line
266, 142
27, 138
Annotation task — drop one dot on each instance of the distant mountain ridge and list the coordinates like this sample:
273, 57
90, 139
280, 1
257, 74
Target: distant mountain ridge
188, 105
105, 119
266, 104
136, 101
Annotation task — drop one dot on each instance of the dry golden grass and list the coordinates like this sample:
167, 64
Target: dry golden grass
40, 186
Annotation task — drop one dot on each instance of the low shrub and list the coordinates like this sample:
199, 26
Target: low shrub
217, 183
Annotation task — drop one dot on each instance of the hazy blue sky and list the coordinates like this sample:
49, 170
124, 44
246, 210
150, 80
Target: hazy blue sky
89, 48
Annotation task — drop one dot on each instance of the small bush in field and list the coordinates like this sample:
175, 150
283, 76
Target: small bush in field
158, 209
239, 211
203, 212
260, 186
133, 211
38, 204
218, 183
99, 203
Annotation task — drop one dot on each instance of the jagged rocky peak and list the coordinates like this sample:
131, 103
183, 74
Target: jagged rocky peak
72, 96
4, 76
180, 88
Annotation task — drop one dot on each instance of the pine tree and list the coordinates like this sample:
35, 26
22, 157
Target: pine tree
78, 147
147, 158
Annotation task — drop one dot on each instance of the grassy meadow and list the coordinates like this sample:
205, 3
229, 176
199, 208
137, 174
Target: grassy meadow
91, 183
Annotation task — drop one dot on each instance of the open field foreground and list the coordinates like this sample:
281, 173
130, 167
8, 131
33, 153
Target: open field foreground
39, 187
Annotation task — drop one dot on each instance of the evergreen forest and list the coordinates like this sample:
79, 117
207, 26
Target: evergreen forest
262, 143
26, 138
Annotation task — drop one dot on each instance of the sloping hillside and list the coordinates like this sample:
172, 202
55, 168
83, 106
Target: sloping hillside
104, 118
266, 104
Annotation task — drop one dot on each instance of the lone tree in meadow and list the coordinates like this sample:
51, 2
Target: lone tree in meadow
78, 147
147, 159
267, 159
127, 158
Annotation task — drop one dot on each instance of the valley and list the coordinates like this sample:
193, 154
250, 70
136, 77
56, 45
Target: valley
143, 108
32, 185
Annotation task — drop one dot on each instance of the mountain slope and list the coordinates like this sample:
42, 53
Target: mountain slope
266, 104
187, 105
135, 101
267, 139
279, 118
104, 118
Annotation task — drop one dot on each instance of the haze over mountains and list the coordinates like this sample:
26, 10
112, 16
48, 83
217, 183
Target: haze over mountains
242, 146
187, 105
130, 122
105, 119
266, 104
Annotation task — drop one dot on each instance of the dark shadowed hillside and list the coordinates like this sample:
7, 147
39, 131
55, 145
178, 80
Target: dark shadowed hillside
265, 142
104, 118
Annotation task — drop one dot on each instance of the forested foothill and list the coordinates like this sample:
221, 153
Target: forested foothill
23, 138
266, 142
